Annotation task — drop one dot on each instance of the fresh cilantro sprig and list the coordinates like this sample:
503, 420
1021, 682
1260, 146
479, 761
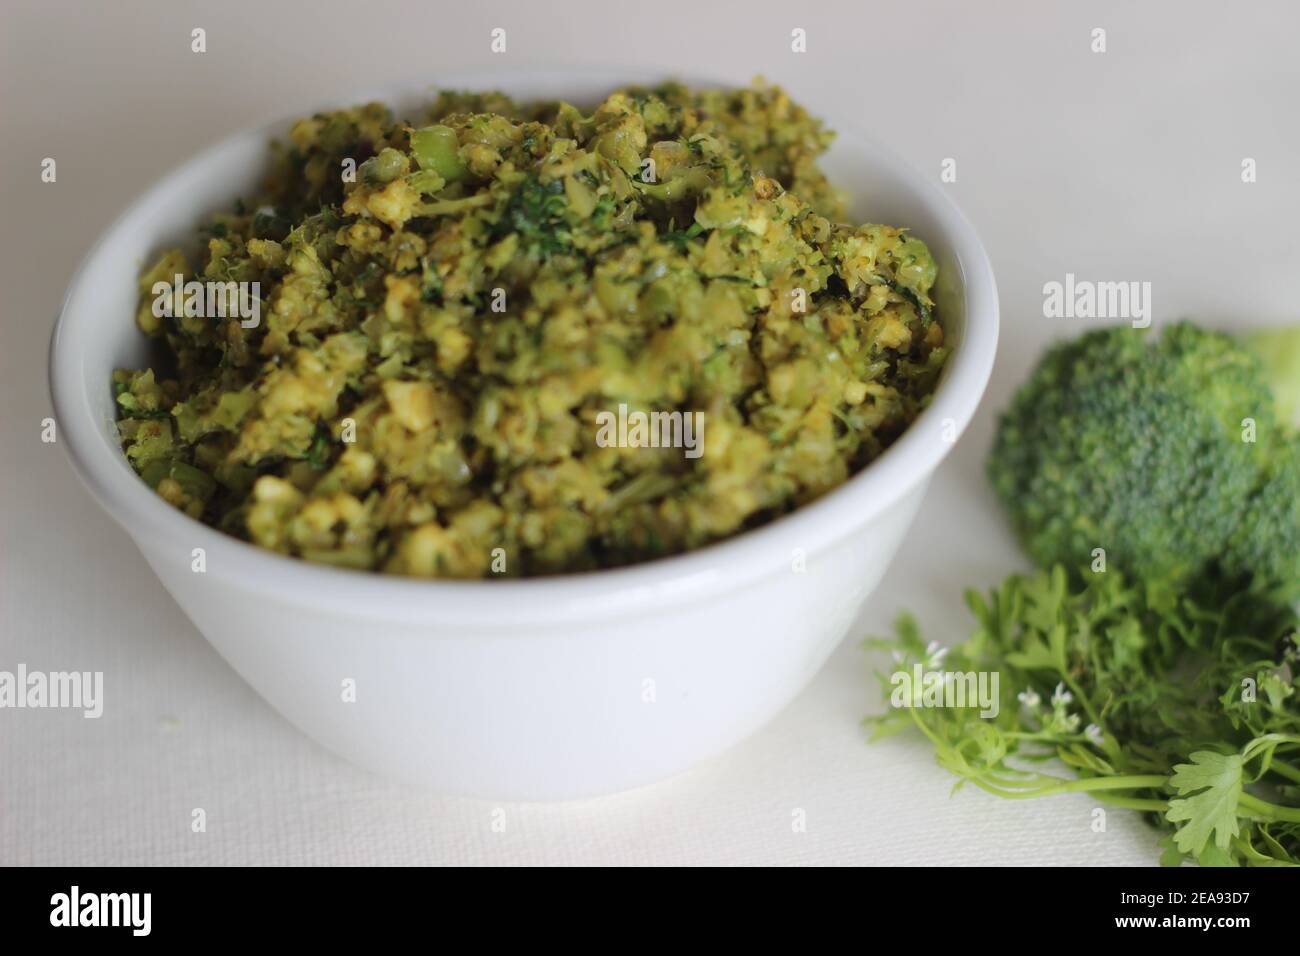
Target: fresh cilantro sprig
1186, 710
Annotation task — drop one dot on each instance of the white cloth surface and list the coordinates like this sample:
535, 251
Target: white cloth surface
1116, 166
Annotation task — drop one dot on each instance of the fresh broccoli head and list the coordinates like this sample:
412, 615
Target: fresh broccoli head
1169, 453
1268, 538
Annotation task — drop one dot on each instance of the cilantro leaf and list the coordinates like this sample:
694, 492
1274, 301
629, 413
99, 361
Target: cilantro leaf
1212, 810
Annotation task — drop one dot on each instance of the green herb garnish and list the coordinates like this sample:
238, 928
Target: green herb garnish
1182, 708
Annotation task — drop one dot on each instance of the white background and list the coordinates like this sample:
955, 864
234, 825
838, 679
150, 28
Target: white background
1116, 166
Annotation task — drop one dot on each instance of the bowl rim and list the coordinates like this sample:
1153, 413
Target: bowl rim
689, 576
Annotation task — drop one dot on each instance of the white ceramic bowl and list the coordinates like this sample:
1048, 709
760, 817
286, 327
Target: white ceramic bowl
544, 688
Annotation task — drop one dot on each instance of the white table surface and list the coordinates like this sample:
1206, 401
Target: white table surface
1115, 166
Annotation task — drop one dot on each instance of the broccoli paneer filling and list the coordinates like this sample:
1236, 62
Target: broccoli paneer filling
449, 303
